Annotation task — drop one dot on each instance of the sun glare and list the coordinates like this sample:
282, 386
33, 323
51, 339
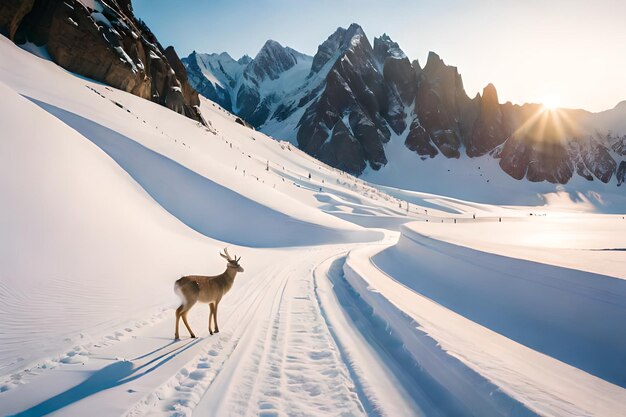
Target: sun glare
550, 103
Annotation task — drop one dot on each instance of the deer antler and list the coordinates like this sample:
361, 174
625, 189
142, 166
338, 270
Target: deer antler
225, 255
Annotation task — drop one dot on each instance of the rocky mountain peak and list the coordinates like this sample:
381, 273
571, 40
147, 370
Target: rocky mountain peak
385, 47
226, 56
490, 97
272, 60
621, 106
435, 64
245, 60
444, 79
353, 30
336, 44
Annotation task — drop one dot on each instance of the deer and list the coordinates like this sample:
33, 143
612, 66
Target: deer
205, 289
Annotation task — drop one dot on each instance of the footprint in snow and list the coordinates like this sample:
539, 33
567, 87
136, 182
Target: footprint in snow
316, 356
197, 375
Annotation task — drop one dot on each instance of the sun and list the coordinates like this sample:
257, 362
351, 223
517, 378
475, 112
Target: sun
550, 103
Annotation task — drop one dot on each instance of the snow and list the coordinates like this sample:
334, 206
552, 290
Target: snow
100, 18
209, 64
49, 218
350, 303
544, 384
93, 5
125, 58
40, 51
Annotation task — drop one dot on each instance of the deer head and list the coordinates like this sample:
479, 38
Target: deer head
232, 262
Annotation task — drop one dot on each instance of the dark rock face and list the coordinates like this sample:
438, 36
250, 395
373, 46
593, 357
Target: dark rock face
271, 61
400, 82
329, 47
354, 89
440, 98
418, 141
548, 149
598, 160
343, 150
621, 173
537, 161
108, 44
489, 128
12, 13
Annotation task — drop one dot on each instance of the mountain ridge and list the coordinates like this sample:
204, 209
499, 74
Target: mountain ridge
358, 95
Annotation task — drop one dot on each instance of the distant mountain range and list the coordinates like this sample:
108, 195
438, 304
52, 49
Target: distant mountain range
345, 103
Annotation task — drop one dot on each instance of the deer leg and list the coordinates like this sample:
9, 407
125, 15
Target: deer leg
217, 330
178, 313
211, 315
184, 316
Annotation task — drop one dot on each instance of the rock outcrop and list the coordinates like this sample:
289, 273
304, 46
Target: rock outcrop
106, 42
490, 128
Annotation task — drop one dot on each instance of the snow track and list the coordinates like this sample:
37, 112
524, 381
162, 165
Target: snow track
273, 356
292, 367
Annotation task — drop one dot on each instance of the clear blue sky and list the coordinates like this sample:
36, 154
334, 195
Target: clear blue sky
572, 51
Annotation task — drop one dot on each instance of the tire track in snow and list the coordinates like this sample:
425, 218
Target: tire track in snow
274, 342
316, 378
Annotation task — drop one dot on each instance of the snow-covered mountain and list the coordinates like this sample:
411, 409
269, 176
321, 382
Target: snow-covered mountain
357, 98
252, 88
356, 300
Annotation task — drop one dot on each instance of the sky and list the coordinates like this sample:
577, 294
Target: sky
569, 52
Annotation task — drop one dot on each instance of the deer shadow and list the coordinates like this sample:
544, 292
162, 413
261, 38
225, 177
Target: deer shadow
113, 375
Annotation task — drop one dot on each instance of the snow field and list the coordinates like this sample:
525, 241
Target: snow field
108, 198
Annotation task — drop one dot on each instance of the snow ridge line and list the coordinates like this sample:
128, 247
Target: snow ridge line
439, 382
370, 405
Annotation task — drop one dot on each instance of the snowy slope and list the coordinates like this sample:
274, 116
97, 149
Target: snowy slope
76, 230
109, 198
